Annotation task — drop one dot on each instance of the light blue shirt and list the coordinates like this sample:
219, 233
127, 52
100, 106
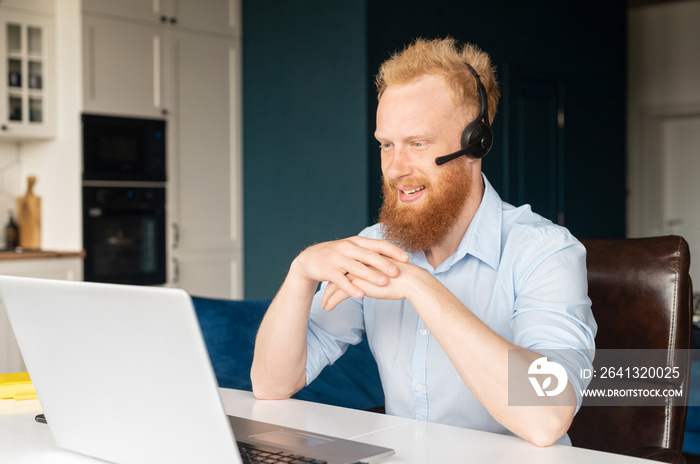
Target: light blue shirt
523, 276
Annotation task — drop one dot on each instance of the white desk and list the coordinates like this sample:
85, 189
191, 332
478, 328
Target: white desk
22, 440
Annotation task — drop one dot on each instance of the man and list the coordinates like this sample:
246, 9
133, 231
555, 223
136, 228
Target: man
448, 282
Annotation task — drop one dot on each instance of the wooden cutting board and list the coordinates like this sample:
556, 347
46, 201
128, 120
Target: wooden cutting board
29, 218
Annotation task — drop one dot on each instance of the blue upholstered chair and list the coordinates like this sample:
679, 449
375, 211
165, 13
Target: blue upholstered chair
229, 328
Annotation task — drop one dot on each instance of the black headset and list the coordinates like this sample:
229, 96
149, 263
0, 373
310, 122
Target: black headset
477, 137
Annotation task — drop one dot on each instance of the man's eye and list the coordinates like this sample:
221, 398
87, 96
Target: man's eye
384, 146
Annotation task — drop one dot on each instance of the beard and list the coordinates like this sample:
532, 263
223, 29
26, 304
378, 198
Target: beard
420, 227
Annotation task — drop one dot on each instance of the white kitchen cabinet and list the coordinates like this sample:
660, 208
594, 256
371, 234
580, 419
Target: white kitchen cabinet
44, 265
209, 16
122, 67
205, 164
39, 6
59, 266
134, 65
144, 10
212, 16
126, 43
26, 70
215, 275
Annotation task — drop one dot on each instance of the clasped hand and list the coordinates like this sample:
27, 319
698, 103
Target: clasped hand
355, 267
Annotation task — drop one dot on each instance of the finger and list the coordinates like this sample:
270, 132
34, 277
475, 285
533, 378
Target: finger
374, 291
367, 287
335, 299
382, 247
352, 262
370, 265
331, 288
359, 270
341, 280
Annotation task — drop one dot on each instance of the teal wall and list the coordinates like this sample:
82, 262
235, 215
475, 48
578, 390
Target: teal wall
304, 131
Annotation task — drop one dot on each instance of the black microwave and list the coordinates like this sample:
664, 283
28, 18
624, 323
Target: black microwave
123, 149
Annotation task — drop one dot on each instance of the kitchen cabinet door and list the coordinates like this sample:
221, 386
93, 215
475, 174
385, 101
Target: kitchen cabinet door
122, 67
205, 168
26, 65
145, 10
214, 16
39, 6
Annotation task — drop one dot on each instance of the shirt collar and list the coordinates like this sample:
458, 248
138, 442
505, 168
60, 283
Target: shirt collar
483, 237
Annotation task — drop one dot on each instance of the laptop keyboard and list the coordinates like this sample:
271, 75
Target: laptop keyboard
252, 454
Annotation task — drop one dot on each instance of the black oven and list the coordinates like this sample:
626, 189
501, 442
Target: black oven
123, 149
124, 199
124, 235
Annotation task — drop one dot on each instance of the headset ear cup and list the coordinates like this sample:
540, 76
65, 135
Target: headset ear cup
467, 134
479, 137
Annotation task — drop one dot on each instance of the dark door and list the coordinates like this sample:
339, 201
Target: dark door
535, 134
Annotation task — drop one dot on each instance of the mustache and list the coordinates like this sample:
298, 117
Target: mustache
412, 182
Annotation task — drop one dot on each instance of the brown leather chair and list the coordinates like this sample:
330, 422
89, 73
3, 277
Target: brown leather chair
642, 299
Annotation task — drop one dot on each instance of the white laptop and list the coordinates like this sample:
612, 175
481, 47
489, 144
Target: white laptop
123, 374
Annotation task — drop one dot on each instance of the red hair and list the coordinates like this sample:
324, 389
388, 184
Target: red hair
446, 58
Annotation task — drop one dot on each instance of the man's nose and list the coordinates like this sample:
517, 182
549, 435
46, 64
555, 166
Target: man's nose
398, 165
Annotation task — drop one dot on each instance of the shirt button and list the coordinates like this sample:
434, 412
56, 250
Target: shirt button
419, 387
423, 332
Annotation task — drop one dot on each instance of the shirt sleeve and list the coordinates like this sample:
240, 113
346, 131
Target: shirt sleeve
329, 333
552, 312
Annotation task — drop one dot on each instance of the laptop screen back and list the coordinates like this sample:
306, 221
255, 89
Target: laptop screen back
122, 372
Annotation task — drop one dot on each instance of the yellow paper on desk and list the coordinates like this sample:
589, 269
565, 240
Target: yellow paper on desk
14, 378
17, 386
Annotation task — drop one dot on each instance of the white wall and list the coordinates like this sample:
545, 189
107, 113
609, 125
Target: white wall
663, 79
57, 162
664, 54
9, 182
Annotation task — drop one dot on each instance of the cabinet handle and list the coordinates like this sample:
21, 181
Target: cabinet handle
176, 271
173, 20
4, 127
164, 112
163, 19
176, 235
